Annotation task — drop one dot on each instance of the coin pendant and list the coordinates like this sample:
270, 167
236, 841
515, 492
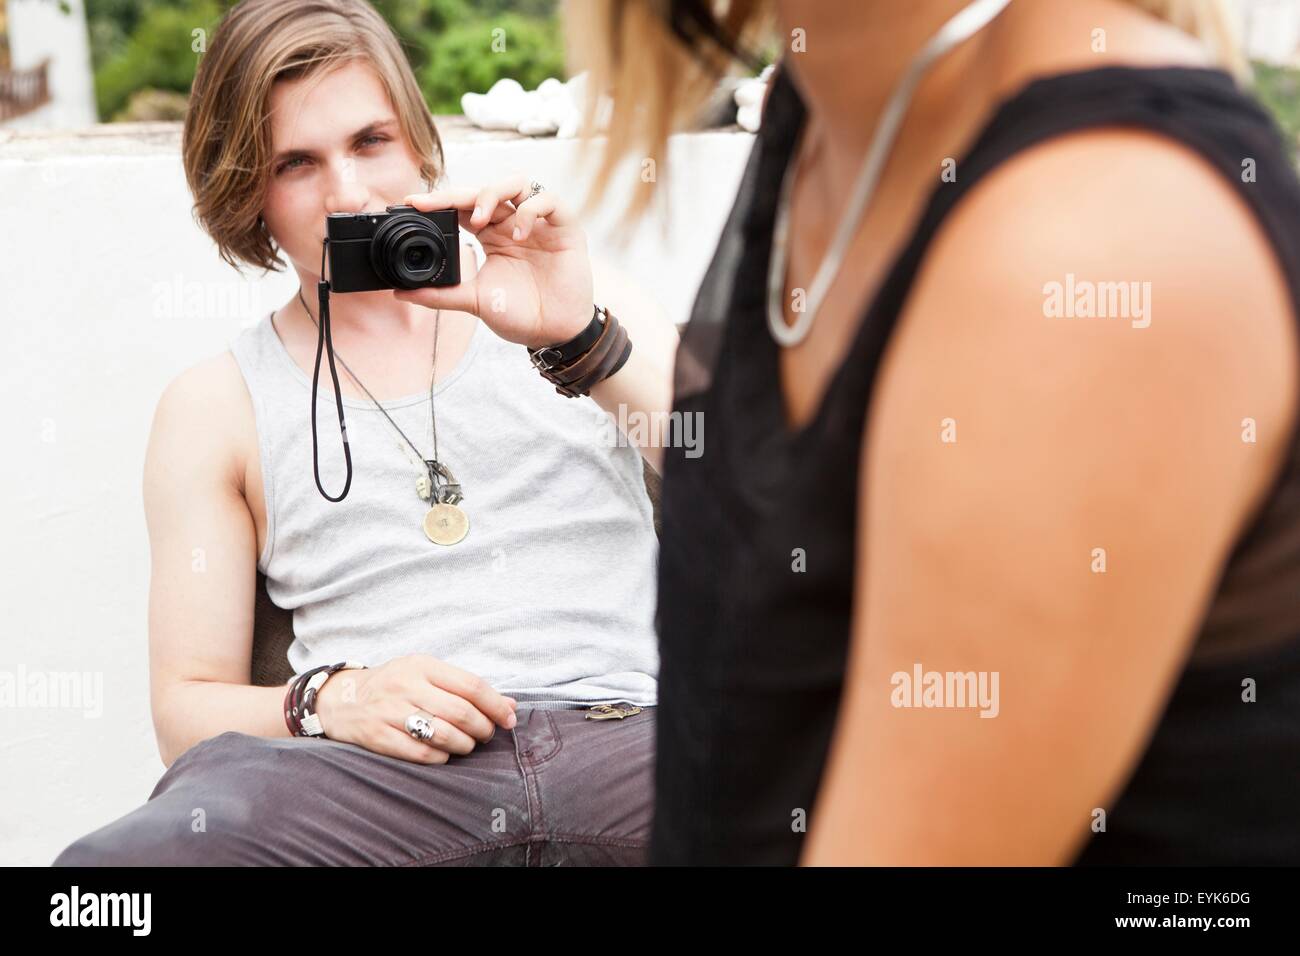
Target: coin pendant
445, 524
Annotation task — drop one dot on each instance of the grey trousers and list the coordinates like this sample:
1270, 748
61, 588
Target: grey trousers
558, 789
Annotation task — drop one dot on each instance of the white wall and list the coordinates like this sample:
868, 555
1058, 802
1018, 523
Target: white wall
37, 29
96, 224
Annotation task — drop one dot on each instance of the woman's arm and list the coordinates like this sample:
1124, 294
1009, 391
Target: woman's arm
1077, 441
203, 548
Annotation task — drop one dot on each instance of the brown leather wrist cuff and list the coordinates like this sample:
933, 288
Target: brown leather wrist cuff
597, 363
612, 355
589, 360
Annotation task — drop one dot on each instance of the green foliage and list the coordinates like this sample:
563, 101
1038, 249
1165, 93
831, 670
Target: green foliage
415, 21
470, 56
1278, 89
158, 54
146, 44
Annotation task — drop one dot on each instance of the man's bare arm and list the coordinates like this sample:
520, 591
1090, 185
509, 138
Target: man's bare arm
643, 388
203, 547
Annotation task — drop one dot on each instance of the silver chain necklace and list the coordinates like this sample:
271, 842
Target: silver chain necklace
966, 23
445, 522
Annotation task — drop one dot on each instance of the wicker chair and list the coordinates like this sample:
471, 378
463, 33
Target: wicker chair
273, 626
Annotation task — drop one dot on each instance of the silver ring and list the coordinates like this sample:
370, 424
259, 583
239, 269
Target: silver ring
419, 726
533, 189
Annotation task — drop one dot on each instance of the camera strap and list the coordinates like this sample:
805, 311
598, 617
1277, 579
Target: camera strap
324, 342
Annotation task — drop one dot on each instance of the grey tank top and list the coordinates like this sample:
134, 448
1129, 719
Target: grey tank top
550, 597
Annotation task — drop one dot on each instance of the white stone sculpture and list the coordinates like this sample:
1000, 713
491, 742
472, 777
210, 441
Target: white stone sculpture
554, 108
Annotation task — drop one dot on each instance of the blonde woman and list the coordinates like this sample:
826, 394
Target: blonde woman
994, 553
506, 715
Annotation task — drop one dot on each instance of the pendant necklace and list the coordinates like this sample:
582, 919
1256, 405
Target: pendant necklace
445, 522
968, 21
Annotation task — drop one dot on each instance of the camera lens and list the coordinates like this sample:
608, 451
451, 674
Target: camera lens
408, 251
418, 256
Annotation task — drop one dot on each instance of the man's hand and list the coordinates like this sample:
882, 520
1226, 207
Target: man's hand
369, 708
535, 286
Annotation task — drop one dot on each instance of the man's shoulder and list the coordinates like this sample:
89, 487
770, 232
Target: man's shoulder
203, 414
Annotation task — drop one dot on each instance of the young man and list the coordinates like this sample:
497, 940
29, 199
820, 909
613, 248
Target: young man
535, 616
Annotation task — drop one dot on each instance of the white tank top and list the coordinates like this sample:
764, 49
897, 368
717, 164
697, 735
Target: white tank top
550, 597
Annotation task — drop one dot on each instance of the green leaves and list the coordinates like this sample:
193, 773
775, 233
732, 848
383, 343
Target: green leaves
472, 55
1278, 89
454, 46
158, 54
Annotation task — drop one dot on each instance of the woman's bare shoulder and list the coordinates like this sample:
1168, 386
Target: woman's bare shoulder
1053, 38
1121, 260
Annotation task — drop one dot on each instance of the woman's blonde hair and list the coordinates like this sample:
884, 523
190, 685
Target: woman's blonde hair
226, 142
659, 60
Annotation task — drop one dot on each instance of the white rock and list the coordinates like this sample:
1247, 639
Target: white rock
536, 127
505, 86
551, 87
553, 108
749, 100
749, 93
750, 117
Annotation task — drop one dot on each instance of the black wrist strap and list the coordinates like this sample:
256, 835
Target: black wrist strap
566, 352
325, 341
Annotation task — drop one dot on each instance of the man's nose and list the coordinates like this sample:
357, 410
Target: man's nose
345, 193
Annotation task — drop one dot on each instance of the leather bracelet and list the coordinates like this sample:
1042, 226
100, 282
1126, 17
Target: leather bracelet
308, 719
605, 357
622, 360
576, 371
566, 352
615, 356
292, 699
300, 699
616, 350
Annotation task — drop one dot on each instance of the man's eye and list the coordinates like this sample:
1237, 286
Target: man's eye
374, 136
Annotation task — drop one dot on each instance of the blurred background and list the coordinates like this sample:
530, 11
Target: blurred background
78, 62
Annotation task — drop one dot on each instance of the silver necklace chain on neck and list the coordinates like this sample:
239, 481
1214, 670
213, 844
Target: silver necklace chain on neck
433, 425
966, 23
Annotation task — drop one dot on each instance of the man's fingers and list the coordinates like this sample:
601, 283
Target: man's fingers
454, 298
474, 689
458, 713
527, 213
491, 207
449, 197
457, 726
460, 198
398, 743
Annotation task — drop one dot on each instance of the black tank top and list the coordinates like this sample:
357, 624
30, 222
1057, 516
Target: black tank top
753, 655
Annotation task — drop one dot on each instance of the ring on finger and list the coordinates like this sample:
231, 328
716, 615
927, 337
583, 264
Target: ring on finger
420, 726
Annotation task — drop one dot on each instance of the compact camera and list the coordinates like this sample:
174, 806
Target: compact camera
402, 248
